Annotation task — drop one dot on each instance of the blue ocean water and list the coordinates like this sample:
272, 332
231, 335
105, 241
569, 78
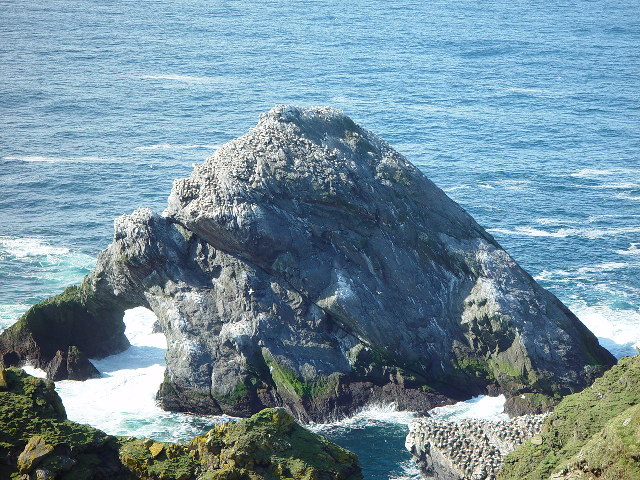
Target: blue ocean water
526, 113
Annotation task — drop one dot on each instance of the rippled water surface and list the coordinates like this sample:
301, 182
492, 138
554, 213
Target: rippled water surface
526, 113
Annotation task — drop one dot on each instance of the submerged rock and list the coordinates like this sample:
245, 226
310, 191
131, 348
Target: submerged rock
309, 265
470, 449
38, 442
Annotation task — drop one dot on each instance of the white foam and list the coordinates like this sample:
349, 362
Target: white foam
582, 273
628, 196
547, 275
47, 159
595, 173
459, 187
486, 185
483, 406
122, 401
57, 267
590, 233
9, 313
409, 471
532, 232
370, 415
28, 247
556, 221
632, 250
603, 267
617, 330
618, 186
34, 372
180, 78
521, 90
170, 146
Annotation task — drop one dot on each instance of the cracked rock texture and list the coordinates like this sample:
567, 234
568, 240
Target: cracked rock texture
469, 449
309, 265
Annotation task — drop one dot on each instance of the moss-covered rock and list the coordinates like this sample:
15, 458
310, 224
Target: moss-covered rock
591, 434
37, 441
76, 324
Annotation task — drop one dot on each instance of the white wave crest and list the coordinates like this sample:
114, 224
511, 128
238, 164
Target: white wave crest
370, 415
556, 221
11, 247
532, 232
618, 186
617, 330
483, 406
459, 187
122, 401
409, 471
590, 233
626, 196
632, 250
521, 90
180, 78
47, 159
170, 146
596, 173
9, 313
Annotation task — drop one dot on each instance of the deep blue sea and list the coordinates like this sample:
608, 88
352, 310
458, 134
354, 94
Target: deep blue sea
526, 113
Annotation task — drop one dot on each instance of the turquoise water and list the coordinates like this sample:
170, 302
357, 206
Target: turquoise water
526, 113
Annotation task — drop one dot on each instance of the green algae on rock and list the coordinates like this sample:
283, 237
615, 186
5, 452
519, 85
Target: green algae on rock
59, 333
38, 442
591, 434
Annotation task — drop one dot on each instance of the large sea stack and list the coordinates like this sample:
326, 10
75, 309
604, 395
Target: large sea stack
309, 265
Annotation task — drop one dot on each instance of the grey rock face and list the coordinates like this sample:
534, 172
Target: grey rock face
307, 264
469, 449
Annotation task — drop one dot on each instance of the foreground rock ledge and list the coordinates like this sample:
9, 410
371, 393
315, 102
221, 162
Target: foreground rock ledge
594, 434
308, 265
37, 442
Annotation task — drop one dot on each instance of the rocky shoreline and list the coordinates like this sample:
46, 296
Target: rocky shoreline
471, 449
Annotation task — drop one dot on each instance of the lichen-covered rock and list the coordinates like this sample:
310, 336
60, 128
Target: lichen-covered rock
471, 449
591, 434
309, 265
268, 445
35, 451
37, 442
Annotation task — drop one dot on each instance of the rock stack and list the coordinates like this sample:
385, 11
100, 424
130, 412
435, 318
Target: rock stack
309, 265
470, 449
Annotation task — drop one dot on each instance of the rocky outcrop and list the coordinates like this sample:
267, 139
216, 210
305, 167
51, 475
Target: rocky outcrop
591, 434
307, 264
470, 449
38, 442
59, 333
71, 365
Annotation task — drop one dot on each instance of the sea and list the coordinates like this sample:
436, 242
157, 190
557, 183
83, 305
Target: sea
526, 113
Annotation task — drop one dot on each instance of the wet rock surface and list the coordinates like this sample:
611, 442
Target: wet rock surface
309, 265
470, 449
